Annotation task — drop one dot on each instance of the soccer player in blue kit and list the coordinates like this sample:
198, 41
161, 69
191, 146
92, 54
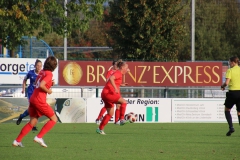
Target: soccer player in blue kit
31, 75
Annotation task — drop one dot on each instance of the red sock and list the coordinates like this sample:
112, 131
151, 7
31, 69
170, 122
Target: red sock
117, 115
103, 110
47, 127
25, 130
123, 110
104, 122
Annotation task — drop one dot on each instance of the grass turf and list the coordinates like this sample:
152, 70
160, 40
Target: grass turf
165, 141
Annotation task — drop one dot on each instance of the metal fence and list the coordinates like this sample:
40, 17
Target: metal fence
143, 92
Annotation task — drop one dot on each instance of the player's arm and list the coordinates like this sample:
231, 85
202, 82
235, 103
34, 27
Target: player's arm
112, 78
225, 83
44, 88
228, 78
24, 85
53, 82
125, 84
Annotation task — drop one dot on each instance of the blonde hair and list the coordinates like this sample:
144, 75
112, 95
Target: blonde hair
120, 63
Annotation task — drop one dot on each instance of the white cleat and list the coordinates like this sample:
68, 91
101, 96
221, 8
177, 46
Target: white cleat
117, 123
40, 141
100, 131
17, 144
123, 122
98, 122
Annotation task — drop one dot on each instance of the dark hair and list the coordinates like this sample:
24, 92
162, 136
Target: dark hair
113, 63
50, 63
234, 59
120, 63
37, 61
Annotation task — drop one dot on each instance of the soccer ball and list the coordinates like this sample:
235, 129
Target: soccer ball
132, 117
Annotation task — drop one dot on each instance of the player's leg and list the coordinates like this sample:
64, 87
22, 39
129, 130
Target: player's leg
102, 111
229, 120
48, 112
238, 106
123, 106
28, 127
25, 114
106, 118
229, 102
117, 114
238, 114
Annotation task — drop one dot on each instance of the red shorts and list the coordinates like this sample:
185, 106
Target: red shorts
110, 99
40, 109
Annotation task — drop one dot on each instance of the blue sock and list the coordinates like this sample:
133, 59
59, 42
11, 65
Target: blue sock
25, 114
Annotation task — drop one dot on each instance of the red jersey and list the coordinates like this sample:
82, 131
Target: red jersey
38, 94
109, 73
118, 81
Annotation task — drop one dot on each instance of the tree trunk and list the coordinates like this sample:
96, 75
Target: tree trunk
12, 53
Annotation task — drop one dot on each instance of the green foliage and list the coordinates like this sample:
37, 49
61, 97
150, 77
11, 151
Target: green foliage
147, 29
211, 42
217, 31
24, 18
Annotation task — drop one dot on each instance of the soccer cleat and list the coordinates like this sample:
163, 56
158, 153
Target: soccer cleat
19, 119
117, 123
40, 141
34, 129
100, 131
123, 122
98, 121
17, 144
231, 130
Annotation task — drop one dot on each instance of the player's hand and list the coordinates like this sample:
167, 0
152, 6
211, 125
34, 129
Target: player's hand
116, 91
53, 82
124, 84
22, 91
222, 88
50, 91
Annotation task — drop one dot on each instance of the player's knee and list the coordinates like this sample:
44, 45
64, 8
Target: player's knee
227, 109
118, 106
54, 118
33, 122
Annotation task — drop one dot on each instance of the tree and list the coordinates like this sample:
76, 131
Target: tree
217, 31
94, 36
232, 26
211, 42
23, 18
146, 29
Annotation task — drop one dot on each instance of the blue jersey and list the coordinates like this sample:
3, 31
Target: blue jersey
32, 76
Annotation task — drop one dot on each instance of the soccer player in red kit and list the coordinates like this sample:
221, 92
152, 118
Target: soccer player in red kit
111, 95
111, 70
38, 105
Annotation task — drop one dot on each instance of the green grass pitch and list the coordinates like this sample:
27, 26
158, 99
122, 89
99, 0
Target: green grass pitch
164, 141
